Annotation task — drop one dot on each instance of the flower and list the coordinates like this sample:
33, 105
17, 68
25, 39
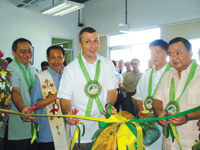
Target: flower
5, 88
5, 64
1, 53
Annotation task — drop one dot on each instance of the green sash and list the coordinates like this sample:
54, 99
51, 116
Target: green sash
173, 104
30, 85
148, 103
93, 88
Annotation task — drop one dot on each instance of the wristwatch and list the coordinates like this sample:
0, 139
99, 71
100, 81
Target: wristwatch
186, 117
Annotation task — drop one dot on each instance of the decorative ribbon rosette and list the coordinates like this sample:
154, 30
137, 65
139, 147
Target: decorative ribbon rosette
5, 88
148, 103
93, 89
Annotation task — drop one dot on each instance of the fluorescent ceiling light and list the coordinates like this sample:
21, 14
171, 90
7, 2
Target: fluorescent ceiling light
62, 7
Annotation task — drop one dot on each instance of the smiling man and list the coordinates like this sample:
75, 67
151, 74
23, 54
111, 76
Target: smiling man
179, 90
52, 133
19, 132
148, 83
88, 84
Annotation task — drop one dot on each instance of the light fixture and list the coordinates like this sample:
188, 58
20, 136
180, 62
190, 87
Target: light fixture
126, 12
62, 7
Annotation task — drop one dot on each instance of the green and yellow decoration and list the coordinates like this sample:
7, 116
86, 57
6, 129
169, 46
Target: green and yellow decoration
148, 103
121, 120
5, 88
92, 88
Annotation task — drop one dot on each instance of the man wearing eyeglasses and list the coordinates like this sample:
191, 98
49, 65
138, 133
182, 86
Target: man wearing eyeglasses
52, 133
19, 132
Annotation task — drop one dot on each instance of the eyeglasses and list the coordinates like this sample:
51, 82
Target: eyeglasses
56, 58
134, 64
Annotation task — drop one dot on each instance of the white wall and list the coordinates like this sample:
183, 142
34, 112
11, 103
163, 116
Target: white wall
105, 15
39, 29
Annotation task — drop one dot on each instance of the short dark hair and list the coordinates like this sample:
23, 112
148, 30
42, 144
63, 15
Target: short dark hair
186, 43
159, 42
65, 63
135, 59
44, 63
114, 62
9, 60
86, 29
20, 40
55, 47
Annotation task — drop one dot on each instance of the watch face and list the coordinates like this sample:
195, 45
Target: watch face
93, 89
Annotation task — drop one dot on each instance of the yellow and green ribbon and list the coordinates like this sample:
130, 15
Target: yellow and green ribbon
78, 135
35, 129
114, 119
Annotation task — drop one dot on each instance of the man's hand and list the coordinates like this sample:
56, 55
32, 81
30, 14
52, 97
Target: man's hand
27, 118
163, 122
72, 121
177, 121
142, 114
150, 115
114, 110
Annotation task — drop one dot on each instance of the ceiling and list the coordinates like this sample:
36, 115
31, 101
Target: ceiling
80, 1
25, 3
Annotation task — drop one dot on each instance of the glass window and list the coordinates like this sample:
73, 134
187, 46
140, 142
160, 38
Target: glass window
133, 45
195, 48
124, 53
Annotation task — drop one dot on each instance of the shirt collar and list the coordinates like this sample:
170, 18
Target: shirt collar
23, 66
187, 70
161, 70
55, 73
84, 61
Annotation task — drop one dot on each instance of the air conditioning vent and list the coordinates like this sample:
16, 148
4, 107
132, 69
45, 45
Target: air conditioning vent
24, 3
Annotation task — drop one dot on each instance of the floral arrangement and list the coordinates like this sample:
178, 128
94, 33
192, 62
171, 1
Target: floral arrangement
5, 88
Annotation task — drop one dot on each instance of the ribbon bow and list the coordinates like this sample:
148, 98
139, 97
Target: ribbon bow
121, 133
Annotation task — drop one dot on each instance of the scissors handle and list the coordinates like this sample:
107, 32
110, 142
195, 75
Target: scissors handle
75, 112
